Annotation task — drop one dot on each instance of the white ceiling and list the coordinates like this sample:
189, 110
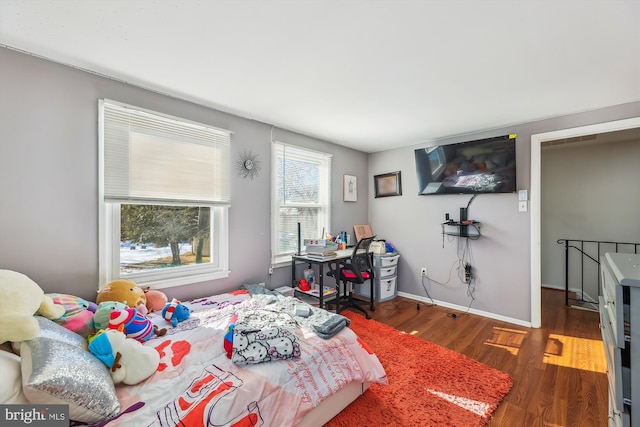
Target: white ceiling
371, 75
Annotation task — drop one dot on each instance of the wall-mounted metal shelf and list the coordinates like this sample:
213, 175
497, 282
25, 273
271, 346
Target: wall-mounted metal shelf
468, 229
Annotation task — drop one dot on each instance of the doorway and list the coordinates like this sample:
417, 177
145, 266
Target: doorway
535, 197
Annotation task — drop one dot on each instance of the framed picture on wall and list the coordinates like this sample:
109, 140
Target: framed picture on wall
388, 184
350, 188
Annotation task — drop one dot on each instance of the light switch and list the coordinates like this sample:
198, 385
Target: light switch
522, 206
523, 196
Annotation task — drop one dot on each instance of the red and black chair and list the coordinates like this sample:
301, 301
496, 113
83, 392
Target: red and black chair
355, 270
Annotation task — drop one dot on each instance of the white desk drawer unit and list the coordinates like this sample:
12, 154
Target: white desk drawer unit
385, 289
619, 308
390, 259
385, 270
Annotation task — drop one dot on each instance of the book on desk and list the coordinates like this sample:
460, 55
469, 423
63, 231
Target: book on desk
321, 255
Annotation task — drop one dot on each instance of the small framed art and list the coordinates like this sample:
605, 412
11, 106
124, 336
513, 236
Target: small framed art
388, 184
350, 188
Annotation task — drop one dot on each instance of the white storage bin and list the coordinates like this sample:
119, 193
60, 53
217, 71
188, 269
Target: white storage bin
386, 272
385, 289
385, 268
387, 260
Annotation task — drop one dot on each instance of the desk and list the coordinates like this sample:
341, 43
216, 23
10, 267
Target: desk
341, 254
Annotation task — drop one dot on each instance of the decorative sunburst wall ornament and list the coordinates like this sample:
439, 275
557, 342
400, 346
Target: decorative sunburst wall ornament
248, 164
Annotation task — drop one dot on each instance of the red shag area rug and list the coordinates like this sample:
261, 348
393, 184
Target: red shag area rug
429, 385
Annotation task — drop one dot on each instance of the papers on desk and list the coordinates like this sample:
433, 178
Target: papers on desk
322, 247
321, 255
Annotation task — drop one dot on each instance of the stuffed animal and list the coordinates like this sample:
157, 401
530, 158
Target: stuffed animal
20, 299
134, 324
124, 291
103, 314
78, 313
175, 312
129, 362
156, 300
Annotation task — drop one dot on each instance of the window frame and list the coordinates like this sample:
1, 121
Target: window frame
109, 231
324, 204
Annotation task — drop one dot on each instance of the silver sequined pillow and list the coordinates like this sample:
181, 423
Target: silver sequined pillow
50, 329
57, 372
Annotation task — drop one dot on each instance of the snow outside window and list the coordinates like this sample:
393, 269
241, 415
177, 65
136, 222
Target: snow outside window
164, 198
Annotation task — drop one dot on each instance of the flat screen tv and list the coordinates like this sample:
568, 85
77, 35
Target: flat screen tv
472, 167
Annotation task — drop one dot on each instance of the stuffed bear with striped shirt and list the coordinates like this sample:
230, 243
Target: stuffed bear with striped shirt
134, 324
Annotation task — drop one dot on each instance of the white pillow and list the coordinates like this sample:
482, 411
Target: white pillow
11, 384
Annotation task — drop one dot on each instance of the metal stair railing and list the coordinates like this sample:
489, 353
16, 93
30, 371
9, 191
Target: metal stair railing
590, 252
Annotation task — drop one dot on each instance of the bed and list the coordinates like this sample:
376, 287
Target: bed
196, 382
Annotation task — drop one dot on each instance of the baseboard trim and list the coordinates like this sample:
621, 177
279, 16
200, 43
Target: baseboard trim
482, 313
585, 296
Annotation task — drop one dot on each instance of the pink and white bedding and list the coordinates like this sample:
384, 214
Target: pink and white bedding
197, 384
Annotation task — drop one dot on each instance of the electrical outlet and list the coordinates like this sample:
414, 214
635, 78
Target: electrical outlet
522, 206
467, 272
270, 271
423, 271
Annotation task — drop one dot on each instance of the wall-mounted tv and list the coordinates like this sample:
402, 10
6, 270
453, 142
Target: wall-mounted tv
472, 167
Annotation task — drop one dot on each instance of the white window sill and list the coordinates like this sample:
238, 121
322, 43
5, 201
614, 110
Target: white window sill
173, 282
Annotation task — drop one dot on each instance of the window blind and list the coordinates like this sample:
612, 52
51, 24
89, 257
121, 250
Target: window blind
301, 195
150, 157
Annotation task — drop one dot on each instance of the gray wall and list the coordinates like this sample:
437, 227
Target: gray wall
589, 192
49, 193
501, 257
49, 178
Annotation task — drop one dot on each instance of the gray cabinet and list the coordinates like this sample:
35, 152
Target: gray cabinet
620, 323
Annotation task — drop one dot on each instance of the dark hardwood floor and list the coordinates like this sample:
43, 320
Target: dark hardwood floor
558, 370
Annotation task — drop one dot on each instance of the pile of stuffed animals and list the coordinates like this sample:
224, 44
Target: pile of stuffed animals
115, 326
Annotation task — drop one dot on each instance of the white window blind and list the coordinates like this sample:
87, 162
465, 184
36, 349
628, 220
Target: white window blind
301, 182
150, 157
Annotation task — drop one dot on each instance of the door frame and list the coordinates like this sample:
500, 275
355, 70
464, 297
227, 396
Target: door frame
535, 198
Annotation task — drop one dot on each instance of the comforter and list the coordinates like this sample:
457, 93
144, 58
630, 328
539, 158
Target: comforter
197, 384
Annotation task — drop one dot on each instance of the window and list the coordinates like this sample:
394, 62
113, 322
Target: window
164, 198
437, 159
300, 195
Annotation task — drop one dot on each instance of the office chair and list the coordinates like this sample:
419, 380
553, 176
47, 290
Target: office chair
355, 270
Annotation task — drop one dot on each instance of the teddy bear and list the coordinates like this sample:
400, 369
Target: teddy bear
103, 314
129, 362
175, 312
156, 300
78, 313
20, 299
124, 291
134, 324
